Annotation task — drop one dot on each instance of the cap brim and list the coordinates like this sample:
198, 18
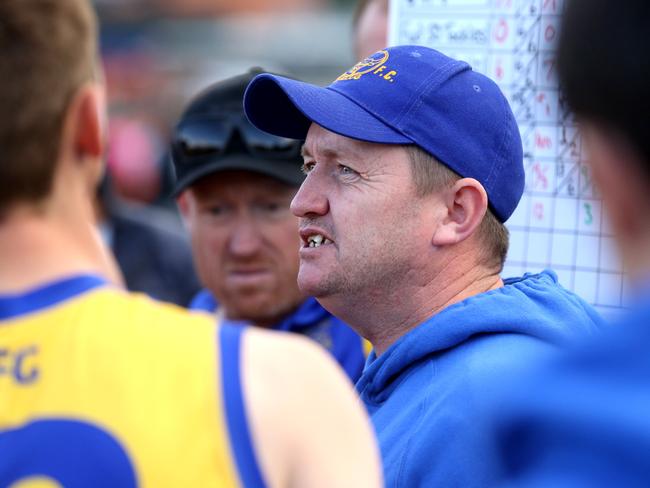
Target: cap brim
286, 108
285, 171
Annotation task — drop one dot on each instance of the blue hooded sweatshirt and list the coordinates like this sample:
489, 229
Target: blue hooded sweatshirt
426, 392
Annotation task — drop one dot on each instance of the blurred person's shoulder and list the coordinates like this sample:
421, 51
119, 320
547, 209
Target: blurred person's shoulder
155, 222
585, 408
153, 251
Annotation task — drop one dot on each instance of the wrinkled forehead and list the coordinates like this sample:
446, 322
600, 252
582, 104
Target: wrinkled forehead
323, 144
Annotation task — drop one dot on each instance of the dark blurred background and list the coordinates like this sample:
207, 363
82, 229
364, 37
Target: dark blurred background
158, 53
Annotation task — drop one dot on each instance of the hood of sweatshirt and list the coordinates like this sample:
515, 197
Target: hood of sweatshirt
533, 305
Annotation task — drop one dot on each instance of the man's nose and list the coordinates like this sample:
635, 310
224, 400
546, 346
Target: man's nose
311, 199
245, 239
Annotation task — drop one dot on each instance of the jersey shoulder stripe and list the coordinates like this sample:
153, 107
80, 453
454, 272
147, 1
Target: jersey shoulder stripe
239, 432
49, 295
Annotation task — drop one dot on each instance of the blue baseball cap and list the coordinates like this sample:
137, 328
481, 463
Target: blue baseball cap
407, 95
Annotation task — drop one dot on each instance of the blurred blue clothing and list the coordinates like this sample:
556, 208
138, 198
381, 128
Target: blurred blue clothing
203, 300
312, 320
425, 394
587, 421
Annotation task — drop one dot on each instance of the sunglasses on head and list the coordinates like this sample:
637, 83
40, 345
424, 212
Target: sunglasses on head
215, 136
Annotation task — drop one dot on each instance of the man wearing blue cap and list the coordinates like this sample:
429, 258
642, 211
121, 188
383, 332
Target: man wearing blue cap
413, 163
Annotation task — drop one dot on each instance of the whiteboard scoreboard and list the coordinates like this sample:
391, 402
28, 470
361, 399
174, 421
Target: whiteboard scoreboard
559, 223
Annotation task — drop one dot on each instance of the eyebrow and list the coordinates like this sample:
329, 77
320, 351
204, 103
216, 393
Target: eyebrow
327, 153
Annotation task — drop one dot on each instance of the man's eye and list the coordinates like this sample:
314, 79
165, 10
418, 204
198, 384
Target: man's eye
307, 167
270, 206
346, 170
270, 209
220, 210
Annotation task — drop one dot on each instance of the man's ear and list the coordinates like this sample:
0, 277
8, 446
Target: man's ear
183, 204
89, 110
84, 131
465, 206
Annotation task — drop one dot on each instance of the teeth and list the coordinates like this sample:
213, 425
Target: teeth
317, 240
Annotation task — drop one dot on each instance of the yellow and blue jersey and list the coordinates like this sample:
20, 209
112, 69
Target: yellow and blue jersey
99, 387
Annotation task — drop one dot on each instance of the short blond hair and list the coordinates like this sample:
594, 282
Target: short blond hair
429, 175
48, 49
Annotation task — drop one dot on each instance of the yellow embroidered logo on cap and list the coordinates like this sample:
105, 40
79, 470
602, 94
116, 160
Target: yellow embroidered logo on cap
374, 64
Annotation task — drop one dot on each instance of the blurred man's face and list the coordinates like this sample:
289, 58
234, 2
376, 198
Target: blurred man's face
617, 170
245, 243
371, 31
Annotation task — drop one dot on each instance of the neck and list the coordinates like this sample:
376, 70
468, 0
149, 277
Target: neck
268, 321
37, 246
387, 315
